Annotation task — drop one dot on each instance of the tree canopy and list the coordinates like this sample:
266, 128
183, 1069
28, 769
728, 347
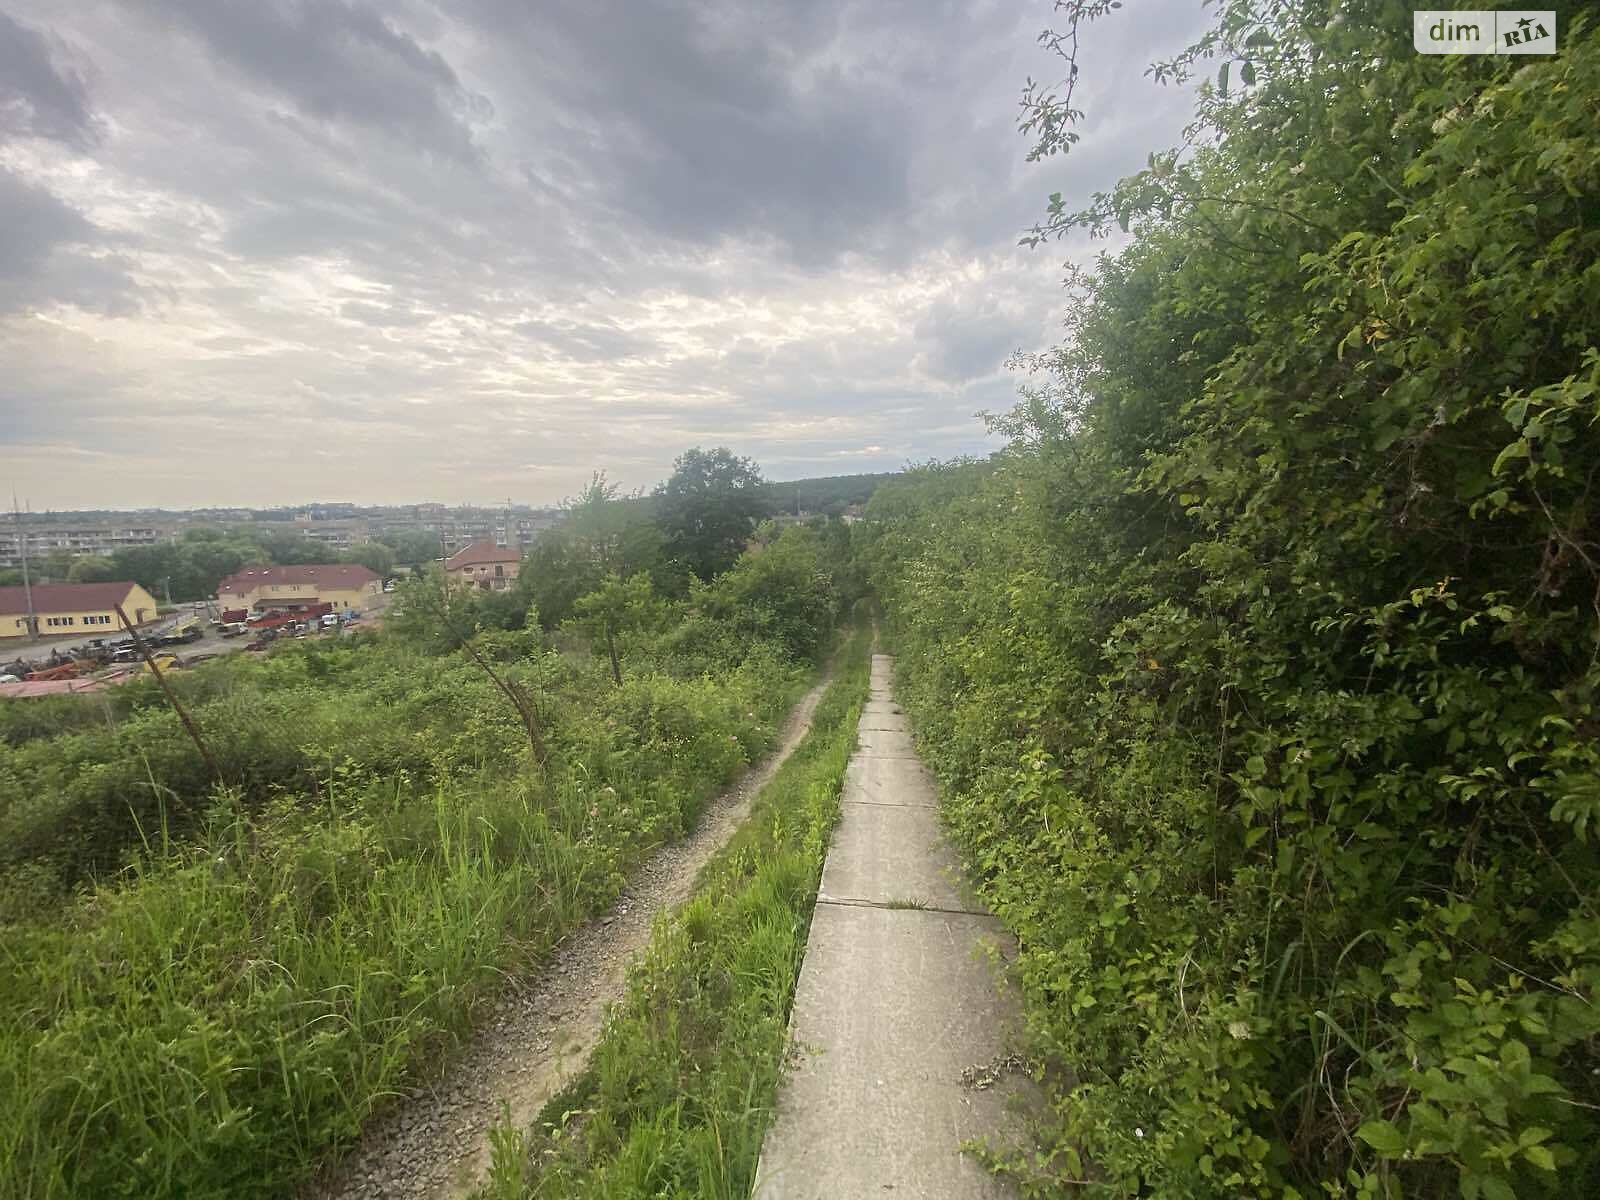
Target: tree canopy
709, 507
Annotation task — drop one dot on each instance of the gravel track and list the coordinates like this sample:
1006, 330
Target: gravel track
435, 1144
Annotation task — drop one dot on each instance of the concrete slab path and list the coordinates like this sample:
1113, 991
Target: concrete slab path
901, 1025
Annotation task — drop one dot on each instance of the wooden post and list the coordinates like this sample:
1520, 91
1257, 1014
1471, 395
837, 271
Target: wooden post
172, 697
513, 691
611, 649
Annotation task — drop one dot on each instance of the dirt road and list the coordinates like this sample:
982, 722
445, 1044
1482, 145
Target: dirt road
436, 1144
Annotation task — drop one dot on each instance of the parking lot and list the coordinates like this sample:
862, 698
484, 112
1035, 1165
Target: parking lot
210, 644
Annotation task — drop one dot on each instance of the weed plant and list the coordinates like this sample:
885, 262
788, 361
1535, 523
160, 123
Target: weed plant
681, 1087
203, 991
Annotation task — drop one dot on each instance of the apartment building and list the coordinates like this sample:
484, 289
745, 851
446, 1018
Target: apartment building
484, 565
457, 528
44, 537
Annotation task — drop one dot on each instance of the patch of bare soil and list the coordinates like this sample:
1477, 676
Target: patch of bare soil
435, 1145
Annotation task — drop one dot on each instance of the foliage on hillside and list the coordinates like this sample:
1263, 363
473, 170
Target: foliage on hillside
239, 975
829, 495
683, 1083
1261, 669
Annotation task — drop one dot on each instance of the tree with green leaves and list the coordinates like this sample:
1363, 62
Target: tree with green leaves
414, 547
604, 531
1260, 668
783, 590
434, 611
616, 607
374, 555
91, 568
709, 507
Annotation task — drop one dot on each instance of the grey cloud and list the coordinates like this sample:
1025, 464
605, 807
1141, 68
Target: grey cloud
382, 316
309, 228
40, 95
705, 122
32, 224
971, 336
788, 226
338, 61
47, 254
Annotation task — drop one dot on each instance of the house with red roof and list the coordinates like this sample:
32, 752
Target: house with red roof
303, 585
73, 609
485, 565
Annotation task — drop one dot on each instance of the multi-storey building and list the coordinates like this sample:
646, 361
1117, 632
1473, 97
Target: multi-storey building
516, 528
340, 527
337, 533
485, 566
44, 537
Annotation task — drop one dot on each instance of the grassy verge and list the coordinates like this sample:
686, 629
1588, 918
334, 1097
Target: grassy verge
681, 1087
239, 1000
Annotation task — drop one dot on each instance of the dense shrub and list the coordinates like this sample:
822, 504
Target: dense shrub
1261, 670
783, 591
239, 976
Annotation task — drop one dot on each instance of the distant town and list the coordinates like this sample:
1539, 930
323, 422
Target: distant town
203, 582
338, 526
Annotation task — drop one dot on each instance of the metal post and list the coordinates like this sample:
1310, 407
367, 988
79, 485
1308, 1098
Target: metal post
27, 584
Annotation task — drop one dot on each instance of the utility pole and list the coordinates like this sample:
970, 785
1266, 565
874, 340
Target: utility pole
27, 584
172, 699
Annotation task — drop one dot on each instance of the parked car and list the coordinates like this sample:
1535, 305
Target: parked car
126, 654
233, 629
330, 620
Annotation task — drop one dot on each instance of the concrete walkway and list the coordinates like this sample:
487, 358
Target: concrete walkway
900, 1026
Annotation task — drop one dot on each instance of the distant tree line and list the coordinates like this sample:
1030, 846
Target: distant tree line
692, 526
617, 554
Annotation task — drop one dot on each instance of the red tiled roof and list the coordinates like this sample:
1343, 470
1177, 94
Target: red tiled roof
481, 552
66, 598
319, 575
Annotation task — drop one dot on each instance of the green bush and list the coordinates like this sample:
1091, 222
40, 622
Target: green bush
783, 592
1260, 670
206, 989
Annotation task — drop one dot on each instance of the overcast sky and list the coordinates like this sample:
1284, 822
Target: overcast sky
270, 251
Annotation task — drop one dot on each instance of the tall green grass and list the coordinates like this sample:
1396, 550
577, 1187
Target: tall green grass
681, 1087
270, 967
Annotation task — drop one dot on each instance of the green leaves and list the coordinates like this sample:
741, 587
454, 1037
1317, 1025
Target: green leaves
1289, 575
1383, 1137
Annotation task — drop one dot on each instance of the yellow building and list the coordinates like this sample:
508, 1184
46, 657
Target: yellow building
73, 609
260, 589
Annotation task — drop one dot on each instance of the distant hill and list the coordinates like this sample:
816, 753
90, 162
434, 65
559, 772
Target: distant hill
827, 494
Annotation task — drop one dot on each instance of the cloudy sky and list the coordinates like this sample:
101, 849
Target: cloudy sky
268, 251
